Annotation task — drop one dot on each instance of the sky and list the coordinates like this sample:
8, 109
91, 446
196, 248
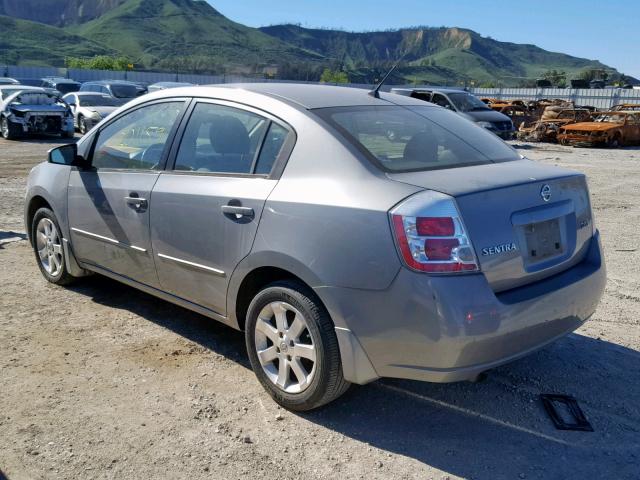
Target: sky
608, 31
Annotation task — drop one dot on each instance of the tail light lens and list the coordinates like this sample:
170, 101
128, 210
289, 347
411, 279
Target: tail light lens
430, 234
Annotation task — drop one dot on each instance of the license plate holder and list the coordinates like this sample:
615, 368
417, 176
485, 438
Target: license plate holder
543, 240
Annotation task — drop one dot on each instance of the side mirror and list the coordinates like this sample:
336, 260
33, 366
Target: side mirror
66, 155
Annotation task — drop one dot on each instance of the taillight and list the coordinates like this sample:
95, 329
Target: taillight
430, 234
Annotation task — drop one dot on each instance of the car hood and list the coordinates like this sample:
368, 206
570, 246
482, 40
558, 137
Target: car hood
486, 116
593, 126
39, 108
102, 111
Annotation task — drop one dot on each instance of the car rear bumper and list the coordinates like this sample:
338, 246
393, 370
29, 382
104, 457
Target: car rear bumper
451, 328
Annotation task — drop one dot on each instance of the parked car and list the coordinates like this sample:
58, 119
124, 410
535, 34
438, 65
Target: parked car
609, 129
466, 104
8, 81
164, 85
629, 107
119, 89
32, 82
62, 85
286, 211
89, 108
34, 111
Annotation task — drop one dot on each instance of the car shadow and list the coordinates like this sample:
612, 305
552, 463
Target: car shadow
9, 236
490, 430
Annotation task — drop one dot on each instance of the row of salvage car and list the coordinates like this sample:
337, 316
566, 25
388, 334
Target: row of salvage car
559, 121
26, 109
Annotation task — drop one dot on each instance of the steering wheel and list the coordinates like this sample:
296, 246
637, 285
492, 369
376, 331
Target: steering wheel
152, 154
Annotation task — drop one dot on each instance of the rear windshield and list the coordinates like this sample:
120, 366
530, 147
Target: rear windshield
124, 91
67, 87
405, 139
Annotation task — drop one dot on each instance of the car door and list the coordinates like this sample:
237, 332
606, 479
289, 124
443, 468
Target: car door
207, 205
633, 129
109, 202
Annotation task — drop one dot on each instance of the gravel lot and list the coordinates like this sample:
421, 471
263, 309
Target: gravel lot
102, 381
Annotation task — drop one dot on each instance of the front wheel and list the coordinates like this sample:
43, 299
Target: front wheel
47, 245
7, 130
293, 348
82, 125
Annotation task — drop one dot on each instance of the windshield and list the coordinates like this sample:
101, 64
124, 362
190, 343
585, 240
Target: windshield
97, 101
465, 102
403, 139
124, 91
612, 118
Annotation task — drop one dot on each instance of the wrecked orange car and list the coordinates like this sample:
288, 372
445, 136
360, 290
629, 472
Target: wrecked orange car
611, 129
628, 107
546, 129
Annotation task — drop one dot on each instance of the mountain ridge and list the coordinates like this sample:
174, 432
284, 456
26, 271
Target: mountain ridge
192, 36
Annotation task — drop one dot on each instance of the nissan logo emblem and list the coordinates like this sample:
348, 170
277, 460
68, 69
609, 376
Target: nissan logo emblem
545, 193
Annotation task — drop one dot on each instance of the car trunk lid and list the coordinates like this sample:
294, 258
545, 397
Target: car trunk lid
526, 220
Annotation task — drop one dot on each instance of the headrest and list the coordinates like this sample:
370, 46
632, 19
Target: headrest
229, 136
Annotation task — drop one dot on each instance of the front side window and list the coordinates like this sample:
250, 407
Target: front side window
441, 100
221, 139
465, 102
402, 139
137, 139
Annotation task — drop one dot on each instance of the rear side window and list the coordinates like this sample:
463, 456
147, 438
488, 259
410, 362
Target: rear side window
221, 139
271, 148
404, 139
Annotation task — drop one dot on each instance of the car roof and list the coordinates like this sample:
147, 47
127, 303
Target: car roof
312, 96
59, 80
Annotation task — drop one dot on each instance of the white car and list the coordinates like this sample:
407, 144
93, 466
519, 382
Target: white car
89, 108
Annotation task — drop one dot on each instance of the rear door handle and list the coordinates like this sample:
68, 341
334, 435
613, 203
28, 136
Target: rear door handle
238, 211
136, 202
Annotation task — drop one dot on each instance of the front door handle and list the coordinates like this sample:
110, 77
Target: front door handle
136, 202
238, 211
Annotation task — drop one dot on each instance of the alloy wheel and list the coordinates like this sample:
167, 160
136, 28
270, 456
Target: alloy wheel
5, 128
49, 246
286, 350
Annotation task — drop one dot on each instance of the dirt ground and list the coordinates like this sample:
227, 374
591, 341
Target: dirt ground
102, 381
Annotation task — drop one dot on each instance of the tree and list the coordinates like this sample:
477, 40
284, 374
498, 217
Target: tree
594, 74
557, 79
334, 76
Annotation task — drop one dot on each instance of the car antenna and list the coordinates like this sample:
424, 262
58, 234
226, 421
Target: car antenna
376, 91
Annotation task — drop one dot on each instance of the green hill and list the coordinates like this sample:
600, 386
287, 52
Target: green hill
158, 32
29, 43
434, 53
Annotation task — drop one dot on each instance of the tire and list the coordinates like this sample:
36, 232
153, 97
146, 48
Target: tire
68, 134
286, 348
82, 125
48, 249
614, 142
7, 129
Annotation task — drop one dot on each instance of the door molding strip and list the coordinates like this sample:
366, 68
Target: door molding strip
192, 264
112, 241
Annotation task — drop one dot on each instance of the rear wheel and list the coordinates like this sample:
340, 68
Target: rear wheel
47, 245
293, 347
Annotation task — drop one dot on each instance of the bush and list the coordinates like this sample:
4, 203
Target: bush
99, 62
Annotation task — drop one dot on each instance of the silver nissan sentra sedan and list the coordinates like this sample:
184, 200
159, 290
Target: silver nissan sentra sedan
351, 235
